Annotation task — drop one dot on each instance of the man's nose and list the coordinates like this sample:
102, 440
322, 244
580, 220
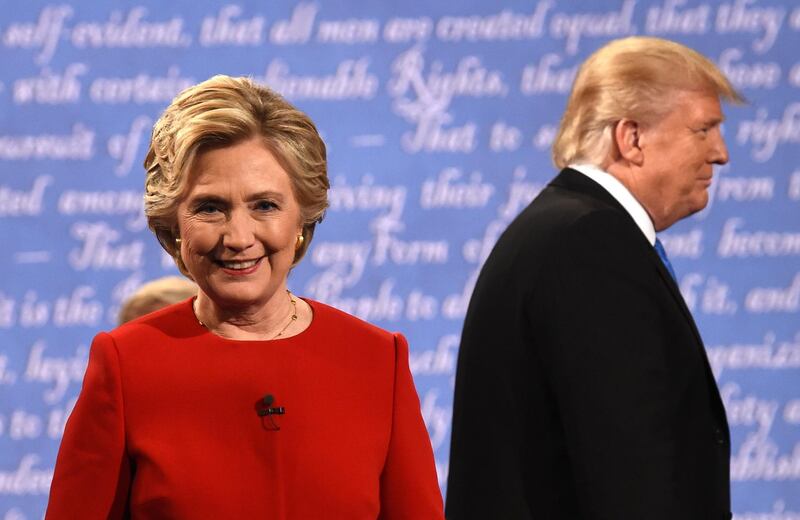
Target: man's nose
719, 151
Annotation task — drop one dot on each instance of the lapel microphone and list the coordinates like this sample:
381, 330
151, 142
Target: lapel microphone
267, 410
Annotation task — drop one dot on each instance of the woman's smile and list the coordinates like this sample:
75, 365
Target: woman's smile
239, 267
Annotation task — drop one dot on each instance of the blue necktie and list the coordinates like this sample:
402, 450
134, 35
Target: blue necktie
662, 254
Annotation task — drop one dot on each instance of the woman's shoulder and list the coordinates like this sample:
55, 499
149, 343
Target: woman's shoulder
333, 320
175, 320
352, 344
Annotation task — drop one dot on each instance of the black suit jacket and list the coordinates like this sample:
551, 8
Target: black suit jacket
583, 390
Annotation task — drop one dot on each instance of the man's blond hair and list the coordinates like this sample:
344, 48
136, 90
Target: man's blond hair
632, 78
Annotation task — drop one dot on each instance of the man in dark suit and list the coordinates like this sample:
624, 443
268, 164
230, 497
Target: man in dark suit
583, 390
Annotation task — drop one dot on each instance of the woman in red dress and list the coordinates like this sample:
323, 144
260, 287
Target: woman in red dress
246, 401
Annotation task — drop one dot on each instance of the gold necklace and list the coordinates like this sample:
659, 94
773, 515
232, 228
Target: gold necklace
292, 316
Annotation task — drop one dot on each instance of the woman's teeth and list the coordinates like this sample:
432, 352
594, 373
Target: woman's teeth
239, 265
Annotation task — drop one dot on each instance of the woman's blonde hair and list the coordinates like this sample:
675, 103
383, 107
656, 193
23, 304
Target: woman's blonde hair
631, 78
223, 111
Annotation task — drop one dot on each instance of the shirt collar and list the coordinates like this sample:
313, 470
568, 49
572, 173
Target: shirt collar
618, 190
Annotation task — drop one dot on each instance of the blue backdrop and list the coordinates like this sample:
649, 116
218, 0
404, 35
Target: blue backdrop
439, 118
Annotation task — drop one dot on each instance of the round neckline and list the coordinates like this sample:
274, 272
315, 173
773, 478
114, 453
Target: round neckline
208, 332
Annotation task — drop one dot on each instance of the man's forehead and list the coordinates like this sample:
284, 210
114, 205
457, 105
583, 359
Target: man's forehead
700, 105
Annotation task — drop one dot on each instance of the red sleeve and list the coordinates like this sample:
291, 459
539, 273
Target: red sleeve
409, 490
92, 473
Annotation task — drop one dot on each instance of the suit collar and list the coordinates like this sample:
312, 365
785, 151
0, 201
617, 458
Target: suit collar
623, 195
574, 180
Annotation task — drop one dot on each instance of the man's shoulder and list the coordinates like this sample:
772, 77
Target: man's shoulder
569, 198
554, 223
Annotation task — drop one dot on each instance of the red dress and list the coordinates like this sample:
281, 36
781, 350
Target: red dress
166, 426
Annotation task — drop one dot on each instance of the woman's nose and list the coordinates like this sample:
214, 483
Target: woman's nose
238, 232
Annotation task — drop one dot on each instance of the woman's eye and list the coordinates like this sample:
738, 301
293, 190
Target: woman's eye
265, 205
207, 208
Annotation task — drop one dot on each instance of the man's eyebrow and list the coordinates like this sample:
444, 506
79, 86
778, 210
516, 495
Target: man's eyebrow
709, 122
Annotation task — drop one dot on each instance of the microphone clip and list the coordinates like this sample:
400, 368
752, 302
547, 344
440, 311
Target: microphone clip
279, 410
264, 409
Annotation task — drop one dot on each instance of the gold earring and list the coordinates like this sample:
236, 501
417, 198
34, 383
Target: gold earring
299, 243
178, 241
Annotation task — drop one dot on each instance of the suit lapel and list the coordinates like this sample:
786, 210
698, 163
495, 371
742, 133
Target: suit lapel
676, 293
573, 180
570, 179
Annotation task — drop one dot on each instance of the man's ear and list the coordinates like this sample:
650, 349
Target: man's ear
626, 137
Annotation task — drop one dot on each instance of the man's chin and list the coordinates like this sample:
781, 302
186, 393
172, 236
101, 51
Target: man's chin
695, 208
702, 203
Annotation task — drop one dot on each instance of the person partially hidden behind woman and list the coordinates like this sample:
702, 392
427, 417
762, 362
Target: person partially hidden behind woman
155, 294
246, 401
